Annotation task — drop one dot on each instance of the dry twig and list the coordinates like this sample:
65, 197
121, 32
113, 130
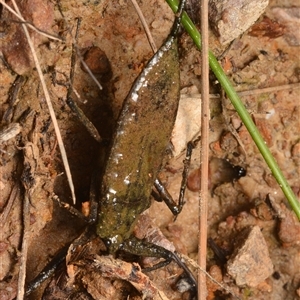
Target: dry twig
270, 89
147, 30
13, 195
202, 247
31, 157
32, 26
24, 250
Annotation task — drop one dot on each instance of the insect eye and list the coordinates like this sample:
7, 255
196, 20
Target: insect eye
241, 172
107, 243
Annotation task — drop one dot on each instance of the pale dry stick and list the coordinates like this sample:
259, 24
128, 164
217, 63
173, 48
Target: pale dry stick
12, 197
24, 250
258, 91
270, 89
196, 266
50, 107
41, 32
145, 25
30, 163
86, 66
204, 152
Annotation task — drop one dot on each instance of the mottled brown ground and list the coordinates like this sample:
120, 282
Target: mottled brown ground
253, 61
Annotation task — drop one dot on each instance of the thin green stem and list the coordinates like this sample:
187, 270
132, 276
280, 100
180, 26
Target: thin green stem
241, 110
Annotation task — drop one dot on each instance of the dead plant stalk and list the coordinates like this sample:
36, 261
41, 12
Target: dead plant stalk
202, 246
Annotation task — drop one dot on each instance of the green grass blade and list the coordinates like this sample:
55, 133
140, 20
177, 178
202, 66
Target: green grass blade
241, 110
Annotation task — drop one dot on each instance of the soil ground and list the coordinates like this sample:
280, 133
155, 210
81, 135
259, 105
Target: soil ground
262, 58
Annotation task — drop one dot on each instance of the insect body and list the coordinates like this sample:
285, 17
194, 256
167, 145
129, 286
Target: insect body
138, 146
142, 136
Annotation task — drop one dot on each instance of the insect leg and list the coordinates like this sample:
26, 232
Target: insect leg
163, 194
59, 258
143, 248
50, 268
73, 106
48, 271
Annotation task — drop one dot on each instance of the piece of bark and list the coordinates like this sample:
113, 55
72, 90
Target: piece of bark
118, 269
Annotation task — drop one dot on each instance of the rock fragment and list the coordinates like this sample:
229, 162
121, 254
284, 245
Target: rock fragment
97, 61
231, 18
250, 263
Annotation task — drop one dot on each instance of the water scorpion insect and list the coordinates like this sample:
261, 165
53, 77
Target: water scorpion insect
136, 152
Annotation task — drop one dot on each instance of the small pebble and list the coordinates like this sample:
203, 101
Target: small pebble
98, 62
